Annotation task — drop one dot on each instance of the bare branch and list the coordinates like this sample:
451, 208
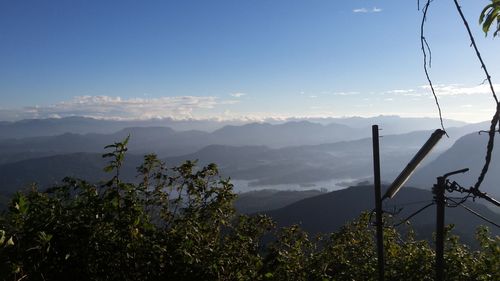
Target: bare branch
478, 54
489, 148
494, 119
424, 46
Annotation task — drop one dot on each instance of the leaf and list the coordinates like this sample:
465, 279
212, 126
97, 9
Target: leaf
10, 242
21, 205
488, 15
108, 169
2, 237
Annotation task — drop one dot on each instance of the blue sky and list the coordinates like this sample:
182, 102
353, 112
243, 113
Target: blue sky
233, 59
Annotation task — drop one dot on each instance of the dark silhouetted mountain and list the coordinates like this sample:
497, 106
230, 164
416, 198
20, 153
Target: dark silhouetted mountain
269, 199
328, 212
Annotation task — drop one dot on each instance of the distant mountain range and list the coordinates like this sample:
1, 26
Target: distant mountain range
325, 165
69, 135
167, 142
82, 125
309, 164
294, 155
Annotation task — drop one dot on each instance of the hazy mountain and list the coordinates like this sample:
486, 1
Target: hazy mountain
288, 134
391, 124
346, 160
168, 142
161, 140
328, 212
259, 165
467, 152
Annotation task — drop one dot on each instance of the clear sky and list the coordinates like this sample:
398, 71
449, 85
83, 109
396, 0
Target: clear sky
239, 59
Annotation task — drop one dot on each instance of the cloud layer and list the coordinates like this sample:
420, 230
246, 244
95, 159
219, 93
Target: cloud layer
458, 90
455, 97
107, 107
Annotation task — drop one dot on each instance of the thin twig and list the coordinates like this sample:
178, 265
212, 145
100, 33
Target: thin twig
478, 54
425, 45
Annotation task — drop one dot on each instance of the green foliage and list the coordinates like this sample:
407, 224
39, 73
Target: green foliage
289, 256
180, 224
489, 15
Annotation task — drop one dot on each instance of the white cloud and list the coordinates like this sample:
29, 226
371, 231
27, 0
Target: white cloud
401, 91
345, 93
366, 10
360, 10
456, 90
107, 107
237, 95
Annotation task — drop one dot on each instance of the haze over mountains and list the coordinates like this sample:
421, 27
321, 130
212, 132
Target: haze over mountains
290, 155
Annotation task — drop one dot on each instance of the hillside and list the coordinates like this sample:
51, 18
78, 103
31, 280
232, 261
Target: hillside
467, 152
328, 212
268, 199
47, 171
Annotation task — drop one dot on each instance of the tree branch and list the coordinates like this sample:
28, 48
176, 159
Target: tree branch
494, 119
425, 45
